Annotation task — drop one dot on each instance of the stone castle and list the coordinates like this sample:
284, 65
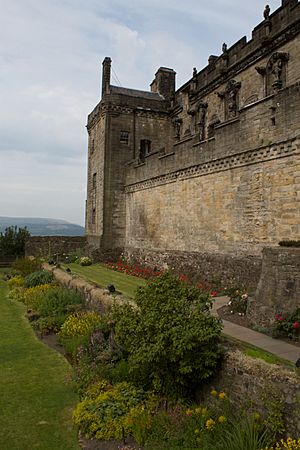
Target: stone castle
201, 178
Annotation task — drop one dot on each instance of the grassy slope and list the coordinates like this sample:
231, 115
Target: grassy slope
37, 392
103, 276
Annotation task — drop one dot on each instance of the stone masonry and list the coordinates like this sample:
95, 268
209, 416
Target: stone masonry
208, 173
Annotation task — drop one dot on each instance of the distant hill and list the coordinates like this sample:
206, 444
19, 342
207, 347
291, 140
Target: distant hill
42, 227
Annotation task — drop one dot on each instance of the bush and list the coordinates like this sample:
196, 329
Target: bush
50, 324
85, 261
238, 300
12, 241
16, 282
287, 325
102, 414
25, 266
60, 301
32, 297
76, 330
289, 444
171, 338
38, 278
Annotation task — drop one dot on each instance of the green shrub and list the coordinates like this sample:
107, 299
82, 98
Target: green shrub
25, 266
50, 324
102, 414
16, 282
85, 261
32, 297
12, 241
60, 301
76, 330
38, 278
238, 299
171, 339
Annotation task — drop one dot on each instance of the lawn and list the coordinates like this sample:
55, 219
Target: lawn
126, 284
37, 391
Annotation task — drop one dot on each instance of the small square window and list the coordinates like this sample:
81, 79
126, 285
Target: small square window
124, 137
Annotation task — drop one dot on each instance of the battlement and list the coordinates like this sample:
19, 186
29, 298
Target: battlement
276, 28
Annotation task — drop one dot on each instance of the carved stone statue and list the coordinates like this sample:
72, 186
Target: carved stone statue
194, 72
267, 12
224, 48
202, 110
275, 70
230, 96
177, 123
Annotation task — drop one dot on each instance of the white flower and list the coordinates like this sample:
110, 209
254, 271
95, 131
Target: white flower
231, 312
229, 303
240, 314
244, 296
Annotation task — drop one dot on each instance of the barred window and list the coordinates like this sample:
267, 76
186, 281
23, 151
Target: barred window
124, 137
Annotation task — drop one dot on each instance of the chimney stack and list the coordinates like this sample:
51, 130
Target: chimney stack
164, 83
106, 66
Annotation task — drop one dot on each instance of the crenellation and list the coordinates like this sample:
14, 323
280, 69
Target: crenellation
210, 170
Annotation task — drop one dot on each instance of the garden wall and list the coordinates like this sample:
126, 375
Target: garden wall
46, 246
261, 387
250, 383
279, 287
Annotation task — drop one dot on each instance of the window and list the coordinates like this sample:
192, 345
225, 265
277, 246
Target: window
94, 181
124, 137
93, 216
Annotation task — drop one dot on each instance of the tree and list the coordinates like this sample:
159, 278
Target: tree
12, 241
171, 338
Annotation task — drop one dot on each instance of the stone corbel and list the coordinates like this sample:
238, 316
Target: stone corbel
261, 70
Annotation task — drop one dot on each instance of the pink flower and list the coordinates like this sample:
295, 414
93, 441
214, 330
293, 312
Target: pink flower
296, 325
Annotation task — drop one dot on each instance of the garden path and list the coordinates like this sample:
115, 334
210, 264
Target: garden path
276, 346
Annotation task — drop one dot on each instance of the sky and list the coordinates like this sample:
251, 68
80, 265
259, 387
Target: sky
50, 79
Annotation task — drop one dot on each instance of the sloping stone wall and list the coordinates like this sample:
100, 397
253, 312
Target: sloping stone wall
279, 285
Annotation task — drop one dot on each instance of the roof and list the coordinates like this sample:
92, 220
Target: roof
136, 93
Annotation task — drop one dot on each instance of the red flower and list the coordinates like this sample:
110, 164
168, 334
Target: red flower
296, 325
214, 293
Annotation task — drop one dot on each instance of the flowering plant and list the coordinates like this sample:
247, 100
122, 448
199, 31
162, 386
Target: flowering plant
238, 300
287, 325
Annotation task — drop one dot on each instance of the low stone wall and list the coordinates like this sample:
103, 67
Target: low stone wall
249, 383
279, 285
97, 299
259, 387
226, 269
46, 246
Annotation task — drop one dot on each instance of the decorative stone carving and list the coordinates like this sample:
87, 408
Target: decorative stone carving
224, 48
275, 70
177, 124
211, 126
230, 97
266, 13
202, 111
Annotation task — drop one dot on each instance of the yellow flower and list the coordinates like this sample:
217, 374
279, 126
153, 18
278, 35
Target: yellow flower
189, 412
256, 416
198, 410
197, 431
210, 423
214, 393
222, 396
222, 419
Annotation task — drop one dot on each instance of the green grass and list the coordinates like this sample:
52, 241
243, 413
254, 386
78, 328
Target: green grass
37, 391
126, 284
258, 353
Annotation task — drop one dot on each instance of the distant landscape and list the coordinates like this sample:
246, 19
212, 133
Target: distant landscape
43, 227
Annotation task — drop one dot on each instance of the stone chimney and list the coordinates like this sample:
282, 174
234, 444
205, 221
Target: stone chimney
164, 83
289, 2
106, 66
